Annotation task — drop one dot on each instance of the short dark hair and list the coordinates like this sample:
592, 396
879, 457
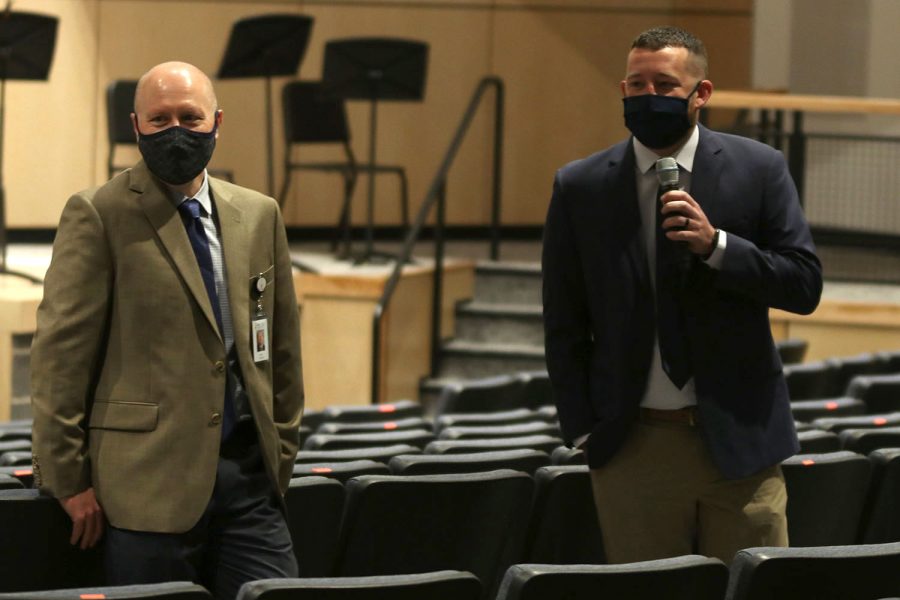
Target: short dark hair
674, 37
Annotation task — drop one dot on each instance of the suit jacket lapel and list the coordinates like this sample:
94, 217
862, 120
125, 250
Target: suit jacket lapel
627, 217
707, 171
162, 214
236, 254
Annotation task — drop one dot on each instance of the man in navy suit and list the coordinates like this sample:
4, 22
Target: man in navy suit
656, 318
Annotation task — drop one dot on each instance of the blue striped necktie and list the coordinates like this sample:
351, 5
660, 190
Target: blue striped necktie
190, 214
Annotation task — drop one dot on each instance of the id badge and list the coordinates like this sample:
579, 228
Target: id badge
259, 330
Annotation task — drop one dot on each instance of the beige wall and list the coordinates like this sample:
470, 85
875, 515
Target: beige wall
561, 60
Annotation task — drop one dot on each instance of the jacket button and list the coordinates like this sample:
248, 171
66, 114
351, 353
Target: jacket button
220, 366
215, 419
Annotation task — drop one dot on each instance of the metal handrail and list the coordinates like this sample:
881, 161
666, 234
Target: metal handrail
436, 195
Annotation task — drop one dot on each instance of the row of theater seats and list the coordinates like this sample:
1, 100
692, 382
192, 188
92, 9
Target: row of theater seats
352, 524
836, 572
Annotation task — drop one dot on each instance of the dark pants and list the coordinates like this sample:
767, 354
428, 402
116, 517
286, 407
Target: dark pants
242, 536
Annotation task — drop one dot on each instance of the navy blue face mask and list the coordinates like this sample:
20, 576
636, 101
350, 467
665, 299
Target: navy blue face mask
177, 155
658, 121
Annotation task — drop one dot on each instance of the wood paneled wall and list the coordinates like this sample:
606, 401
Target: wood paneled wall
562, 61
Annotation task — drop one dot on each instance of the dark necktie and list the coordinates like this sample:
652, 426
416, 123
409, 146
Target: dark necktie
673, 346
190, 215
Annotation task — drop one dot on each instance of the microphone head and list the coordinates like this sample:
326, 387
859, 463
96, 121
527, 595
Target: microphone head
667, 173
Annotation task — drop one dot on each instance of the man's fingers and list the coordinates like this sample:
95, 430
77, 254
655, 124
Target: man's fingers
93, 530
77, 531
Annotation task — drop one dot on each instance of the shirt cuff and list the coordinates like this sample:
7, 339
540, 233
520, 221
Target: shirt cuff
580, 440
718, 254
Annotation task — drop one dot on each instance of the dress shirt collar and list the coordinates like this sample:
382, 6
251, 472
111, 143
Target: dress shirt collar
202, 196
684, 156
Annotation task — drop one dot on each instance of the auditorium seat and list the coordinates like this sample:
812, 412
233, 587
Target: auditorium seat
844, 369
881, 519
544, 443
23, 474
809, 381
880, 393
817, 441
35, 553
681, 578
808, 410
866, 572
838, 424
549, 413
792, 351
15, 459
312, 419
568, 456
475, 432
402, 409
375, 426
480, 419
419, 523
802, 426
173, 590
490, 394
519, 459
536, 388
377, 453
314, 509
414, 437
890, 361
864, 441
826, 494
303, 434
440, 585
17, 445
564, 527
342, 471
8, 482
9, 434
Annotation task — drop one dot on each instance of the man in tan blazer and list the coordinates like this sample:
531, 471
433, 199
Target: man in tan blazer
158, 423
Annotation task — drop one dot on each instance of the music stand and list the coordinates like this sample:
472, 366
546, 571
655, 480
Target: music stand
27, 41
375, 69
266, 46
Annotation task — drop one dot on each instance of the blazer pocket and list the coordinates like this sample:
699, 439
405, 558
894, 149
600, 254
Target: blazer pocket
124, 416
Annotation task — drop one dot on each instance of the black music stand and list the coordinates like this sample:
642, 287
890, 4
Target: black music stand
375, 69
27, 41
266, 46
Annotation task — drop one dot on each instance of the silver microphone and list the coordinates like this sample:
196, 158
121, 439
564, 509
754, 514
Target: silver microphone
667, 173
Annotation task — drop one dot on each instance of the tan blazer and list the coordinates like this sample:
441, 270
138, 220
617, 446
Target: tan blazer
128, 377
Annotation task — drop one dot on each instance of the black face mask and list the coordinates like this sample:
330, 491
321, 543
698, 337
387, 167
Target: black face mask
658, 121
177, 155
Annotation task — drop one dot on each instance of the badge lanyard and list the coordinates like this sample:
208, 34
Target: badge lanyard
259, 325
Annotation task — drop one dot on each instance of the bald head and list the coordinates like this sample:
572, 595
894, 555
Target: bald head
174, 93
179, 79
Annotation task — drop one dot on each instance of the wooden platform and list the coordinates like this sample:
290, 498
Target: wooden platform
851, 319
336, 325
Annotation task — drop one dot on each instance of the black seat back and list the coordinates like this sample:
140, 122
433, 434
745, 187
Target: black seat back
680, 578
826, 494
864, 572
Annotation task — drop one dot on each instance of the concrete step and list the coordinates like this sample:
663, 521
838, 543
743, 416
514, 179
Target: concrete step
471, 360
500, 323
508, 283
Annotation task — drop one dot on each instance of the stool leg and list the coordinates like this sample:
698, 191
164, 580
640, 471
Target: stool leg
345, 224
404, 198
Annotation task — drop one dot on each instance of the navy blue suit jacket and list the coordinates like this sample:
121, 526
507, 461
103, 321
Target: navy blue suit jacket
599, 305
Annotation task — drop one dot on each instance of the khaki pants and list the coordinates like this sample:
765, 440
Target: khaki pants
661, 496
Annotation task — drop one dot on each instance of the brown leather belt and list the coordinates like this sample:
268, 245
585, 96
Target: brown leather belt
685, 416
